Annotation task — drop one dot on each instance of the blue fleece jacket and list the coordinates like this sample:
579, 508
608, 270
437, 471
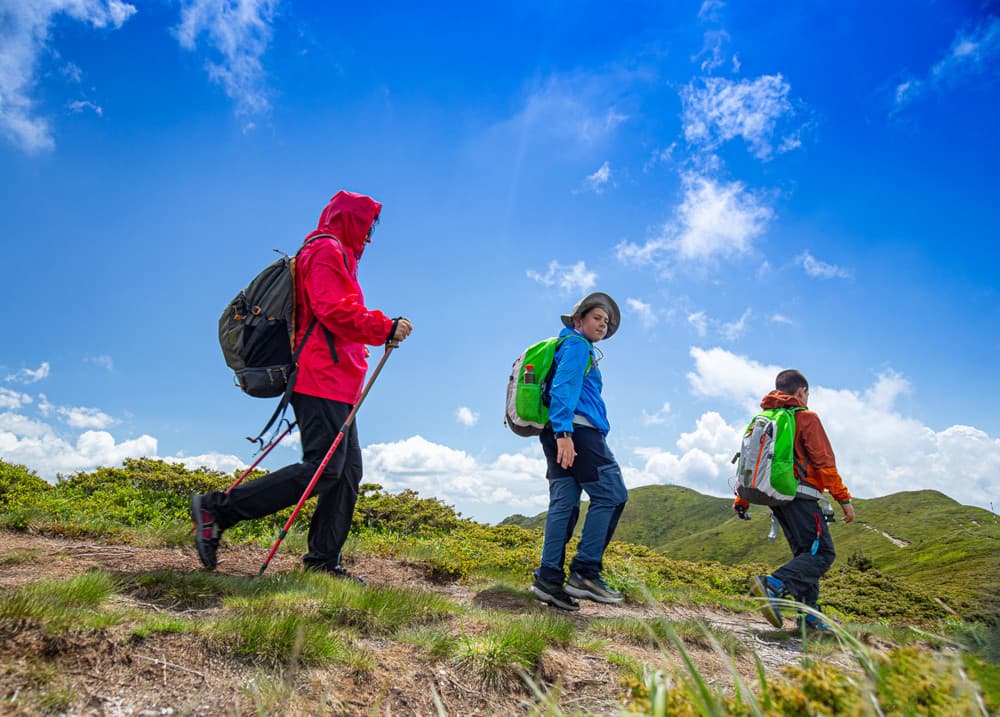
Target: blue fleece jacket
572, 392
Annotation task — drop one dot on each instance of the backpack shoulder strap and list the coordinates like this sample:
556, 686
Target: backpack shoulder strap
590, 349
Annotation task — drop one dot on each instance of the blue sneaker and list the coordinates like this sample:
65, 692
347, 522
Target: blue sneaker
811, 623
769, 589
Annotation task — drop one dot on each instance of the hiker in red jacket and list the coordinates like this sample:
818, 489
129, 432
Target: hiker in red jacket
802, 519
331, 371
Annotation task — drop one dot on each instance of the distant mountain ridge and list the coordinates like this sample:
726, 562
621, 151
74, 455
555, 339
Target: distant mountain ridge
950, 550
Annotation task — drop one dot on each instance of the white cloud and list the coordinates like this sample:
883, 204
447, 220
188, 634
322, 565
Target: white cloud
710, 10
643, 310
568, 278
24, 37
27, 375
656, 417
660, 156
820, 269
714, 219
511, 483
240, 33
879, 451
78, 417
223, 462
78, 106
36, 445
466, 416
720, 110
782, 319
974, 52
598, 181
12, 399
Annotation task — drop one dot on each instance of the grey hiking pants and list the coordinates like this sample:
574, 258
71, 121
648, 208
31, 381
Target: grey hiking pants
803, 524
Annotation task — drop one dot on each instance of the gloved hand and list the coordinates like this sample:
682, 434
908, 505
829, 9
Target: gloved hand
742, 512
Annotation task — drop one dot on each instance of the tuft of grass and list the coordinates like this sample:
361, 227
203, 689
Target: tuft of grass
383, 610
61, 605
436, 641
501, 655
159, 624
277, 636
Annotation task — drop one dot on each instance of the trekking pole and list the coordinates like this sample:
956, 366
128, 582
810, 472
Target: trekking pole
263, 455
326, 459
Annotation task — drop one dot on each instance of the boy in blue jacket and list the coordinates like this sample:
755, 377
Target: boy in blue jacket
578, 458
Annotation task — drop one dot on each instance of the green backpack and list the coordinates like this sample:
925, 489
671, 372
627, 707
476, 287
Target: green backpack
765, 470
528, 386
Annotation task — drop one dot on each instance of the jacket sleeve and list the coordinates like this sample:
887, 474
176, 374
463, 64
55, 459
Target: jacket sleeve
338, 306
567, 383
821, 466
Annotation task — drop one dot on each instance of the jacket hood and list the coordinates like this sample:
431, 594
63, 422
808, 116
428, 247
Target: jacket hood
777, 399
348, 217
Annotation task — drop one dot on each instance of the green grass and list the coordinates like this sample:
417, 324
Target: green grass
268, 632
383, 610
61, 605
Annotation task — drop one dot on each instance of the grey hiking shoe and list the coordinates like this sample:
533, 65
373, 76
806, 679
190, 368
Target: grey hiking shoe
206, 532
592, 589
553, 594
769, 590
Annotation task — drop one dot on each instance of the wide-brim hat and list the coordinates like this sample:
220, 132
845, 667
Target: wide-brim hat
598, 298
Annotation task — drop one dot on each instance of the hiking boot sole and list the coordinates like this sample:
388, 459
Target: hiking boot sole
205, 553
769, 611
585, 594
553, 600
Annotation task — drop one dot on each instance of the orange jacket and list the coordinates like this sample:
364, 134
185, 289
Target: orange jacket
812, 449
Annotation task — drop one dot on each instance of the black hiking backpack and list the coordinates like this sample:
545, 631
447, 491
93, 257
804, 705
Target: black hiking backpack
257, 334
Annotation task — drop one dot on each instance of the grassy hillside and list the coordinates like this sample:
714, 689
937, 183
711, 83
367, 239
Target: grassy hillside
948, 550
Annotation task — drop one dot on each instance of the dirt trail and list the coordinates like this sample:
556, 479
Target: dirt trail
110, 672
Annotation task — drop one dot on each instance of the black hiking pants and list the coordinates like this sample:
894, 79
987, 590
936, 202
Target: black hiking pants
802, 522
336, 491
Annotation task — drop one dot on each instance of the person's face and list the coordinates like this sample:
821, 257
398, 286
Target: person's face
593, 324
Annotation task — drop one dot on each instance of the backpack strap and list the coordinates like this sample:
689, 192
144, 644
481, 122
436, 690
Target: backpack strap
282, 407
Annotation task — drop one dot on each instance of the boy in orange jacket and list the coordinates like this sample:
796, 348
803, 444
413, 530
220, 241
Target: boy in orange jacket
802, 519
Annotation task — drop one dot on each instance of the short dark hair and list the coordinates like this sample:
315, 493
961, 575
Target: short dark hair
789, 381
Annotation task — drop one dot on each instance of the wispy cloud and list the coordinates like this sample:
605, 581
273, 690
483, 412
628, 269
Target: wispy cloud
973, 53
716, 110
699, 321
240, 33
568, 278
581, 107
732, 330
782, 319
643, 310
24, 37
656, 417
27, 375
599, 180
466, 416
102, 360
712, 53
78, 106
820, 269
715, 219
12, 399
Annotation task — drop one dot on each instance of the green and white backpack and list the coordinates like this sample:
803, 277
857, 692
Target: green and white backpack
765, 470
528, 386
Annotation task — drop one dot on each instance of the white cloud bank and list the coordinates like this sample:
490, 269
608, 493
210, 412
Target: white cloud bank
24, 38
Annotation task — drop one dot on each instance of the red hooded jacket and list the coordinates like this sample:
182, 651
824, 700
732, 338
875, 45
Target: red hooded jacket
812, 448
326, 286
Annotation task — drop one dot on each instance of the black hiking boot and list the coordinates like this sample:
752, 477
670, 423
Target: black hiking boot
592, 589
206, 533
553, 594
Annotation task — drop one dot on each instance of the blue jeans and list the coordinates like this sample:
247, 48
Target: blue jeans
595, 472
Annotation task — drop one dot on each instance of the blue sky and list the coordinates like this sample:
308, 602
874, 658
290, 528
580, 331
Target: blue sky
812, 186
